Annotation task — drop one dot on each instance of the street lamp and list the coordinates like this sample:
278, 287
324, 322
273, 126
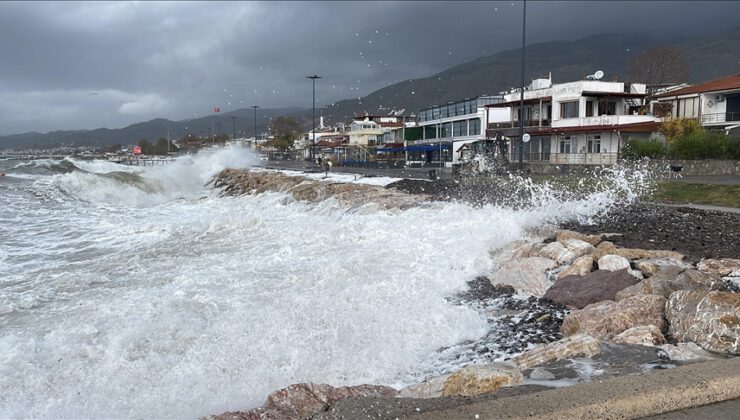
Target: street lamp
255, 123
521, 100
313, 105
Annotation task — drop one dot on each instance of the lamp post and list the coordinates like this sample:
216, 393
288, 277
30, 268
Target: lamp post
255, 123
521, 100
313, 106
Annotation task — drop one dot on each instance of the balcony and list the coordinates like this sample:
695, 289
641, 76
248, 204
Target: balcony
603, 120
720, 118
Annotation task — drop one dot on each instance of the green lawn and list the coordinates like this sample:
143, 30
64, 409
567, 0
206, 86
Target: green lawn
677, 192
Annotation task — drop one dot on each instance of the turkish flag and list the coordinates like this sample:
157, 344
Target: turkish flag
136, 150
216, 109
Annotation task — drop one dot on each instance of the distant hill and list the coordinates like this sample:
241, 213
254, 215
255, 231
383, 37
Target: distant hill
709, 57
154, 129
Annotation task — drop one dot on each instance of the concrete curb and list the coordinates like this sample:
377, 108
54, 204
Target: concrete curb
631, 396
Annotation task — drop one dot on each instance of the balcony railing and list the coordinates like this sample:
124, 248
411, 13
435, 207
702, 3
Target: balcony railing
566, 158
720, 117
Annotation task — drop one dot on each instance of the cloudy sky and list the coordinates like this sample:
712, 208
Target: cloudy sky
84, 65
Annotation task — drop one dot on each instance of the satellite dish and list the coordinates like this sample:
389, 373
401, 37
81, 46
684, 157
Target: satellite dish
598, 75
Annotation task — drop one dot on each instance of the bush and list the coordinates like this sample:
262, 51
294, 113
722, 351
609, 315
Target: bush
733, 149
701, 145
638, 149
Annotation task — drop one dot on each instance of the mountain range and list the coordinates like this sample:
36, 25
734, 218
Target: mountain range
709, 57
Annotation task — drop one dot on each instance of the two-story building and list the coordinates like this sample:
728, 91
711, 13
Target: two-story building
446, 128
716, 103
580, 122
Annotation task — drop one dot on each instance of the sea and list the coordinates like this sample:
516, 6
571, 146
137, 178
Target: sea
141, 292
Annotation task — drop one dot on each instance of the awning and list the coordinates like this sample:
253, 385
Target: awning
427, 147
389, 149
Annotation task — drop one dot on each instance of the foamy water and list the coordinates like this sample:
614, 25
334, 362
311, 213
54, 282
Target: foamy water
130, 292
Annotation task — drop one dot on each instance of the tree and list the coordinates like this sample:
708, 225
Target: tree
146, 147
673, 128
284, 130
657, 67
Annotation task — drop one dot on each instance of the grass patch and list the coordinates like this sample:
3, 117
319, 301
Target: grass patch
677, 192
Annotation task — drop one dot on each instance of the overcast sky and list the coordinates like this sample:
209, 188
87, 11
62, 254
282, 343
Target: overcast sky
75, 65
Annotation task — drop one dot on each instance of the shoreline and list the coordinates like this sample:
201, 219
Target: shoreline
631, 236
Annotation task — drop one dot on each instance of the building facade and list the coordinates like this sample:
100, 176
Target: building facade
580, 122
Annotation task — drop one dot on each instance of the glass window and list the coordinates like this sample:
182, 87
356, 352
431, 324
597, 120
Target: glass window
589, 108
569, 109
446, 130
460, 128
607, 108
594, 144
567, 144
435, 113
460, 108
430, 132
474, 127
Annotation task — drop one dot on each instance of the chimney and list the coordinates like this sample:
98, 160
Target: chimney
321, 122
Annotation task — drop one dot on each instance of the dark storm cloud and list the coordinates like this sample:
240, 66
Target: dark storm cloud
68, 65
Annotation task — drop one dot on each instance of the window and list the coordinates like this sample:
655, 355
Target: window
589, 108
567, 144
460, 128
594, 144
569, 109
607, 108
446, 130
474, 127
430, 132
435, 113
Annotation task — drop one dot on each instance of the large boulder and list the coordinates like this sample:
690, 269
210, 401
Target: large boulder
579, 345
606, 248
581, 266
651, 266
604, 320
563, 235
479, 379
300, 401
431, 388
526, 275
613, 262
708, 318
722, 267
580, 291
558, 252
682, 352
670, 279
644, 335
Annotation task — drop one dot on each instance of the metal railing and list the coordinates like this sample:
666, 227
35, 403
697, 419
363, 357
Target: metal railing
566, 158
720, 117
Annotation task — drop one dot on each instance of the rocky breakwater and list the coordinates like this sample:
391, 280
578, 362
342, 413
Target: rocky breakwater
234, 182
610, 297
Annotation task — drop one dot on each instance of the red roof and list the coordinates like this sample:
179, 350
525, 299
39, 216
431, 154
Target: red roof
643, 127
389, 124
725, 83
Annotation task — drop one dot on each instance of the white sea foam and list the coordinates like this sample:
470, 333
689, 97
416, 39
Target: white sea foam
150, 297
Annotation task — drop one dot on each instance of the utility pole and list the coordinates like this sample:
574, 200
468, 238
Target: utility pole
313, 105
255, 124
521, 100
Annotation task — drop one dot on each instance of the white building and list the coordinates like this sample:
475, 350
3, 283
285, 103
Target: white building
580, 122
446, 128
716, 103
